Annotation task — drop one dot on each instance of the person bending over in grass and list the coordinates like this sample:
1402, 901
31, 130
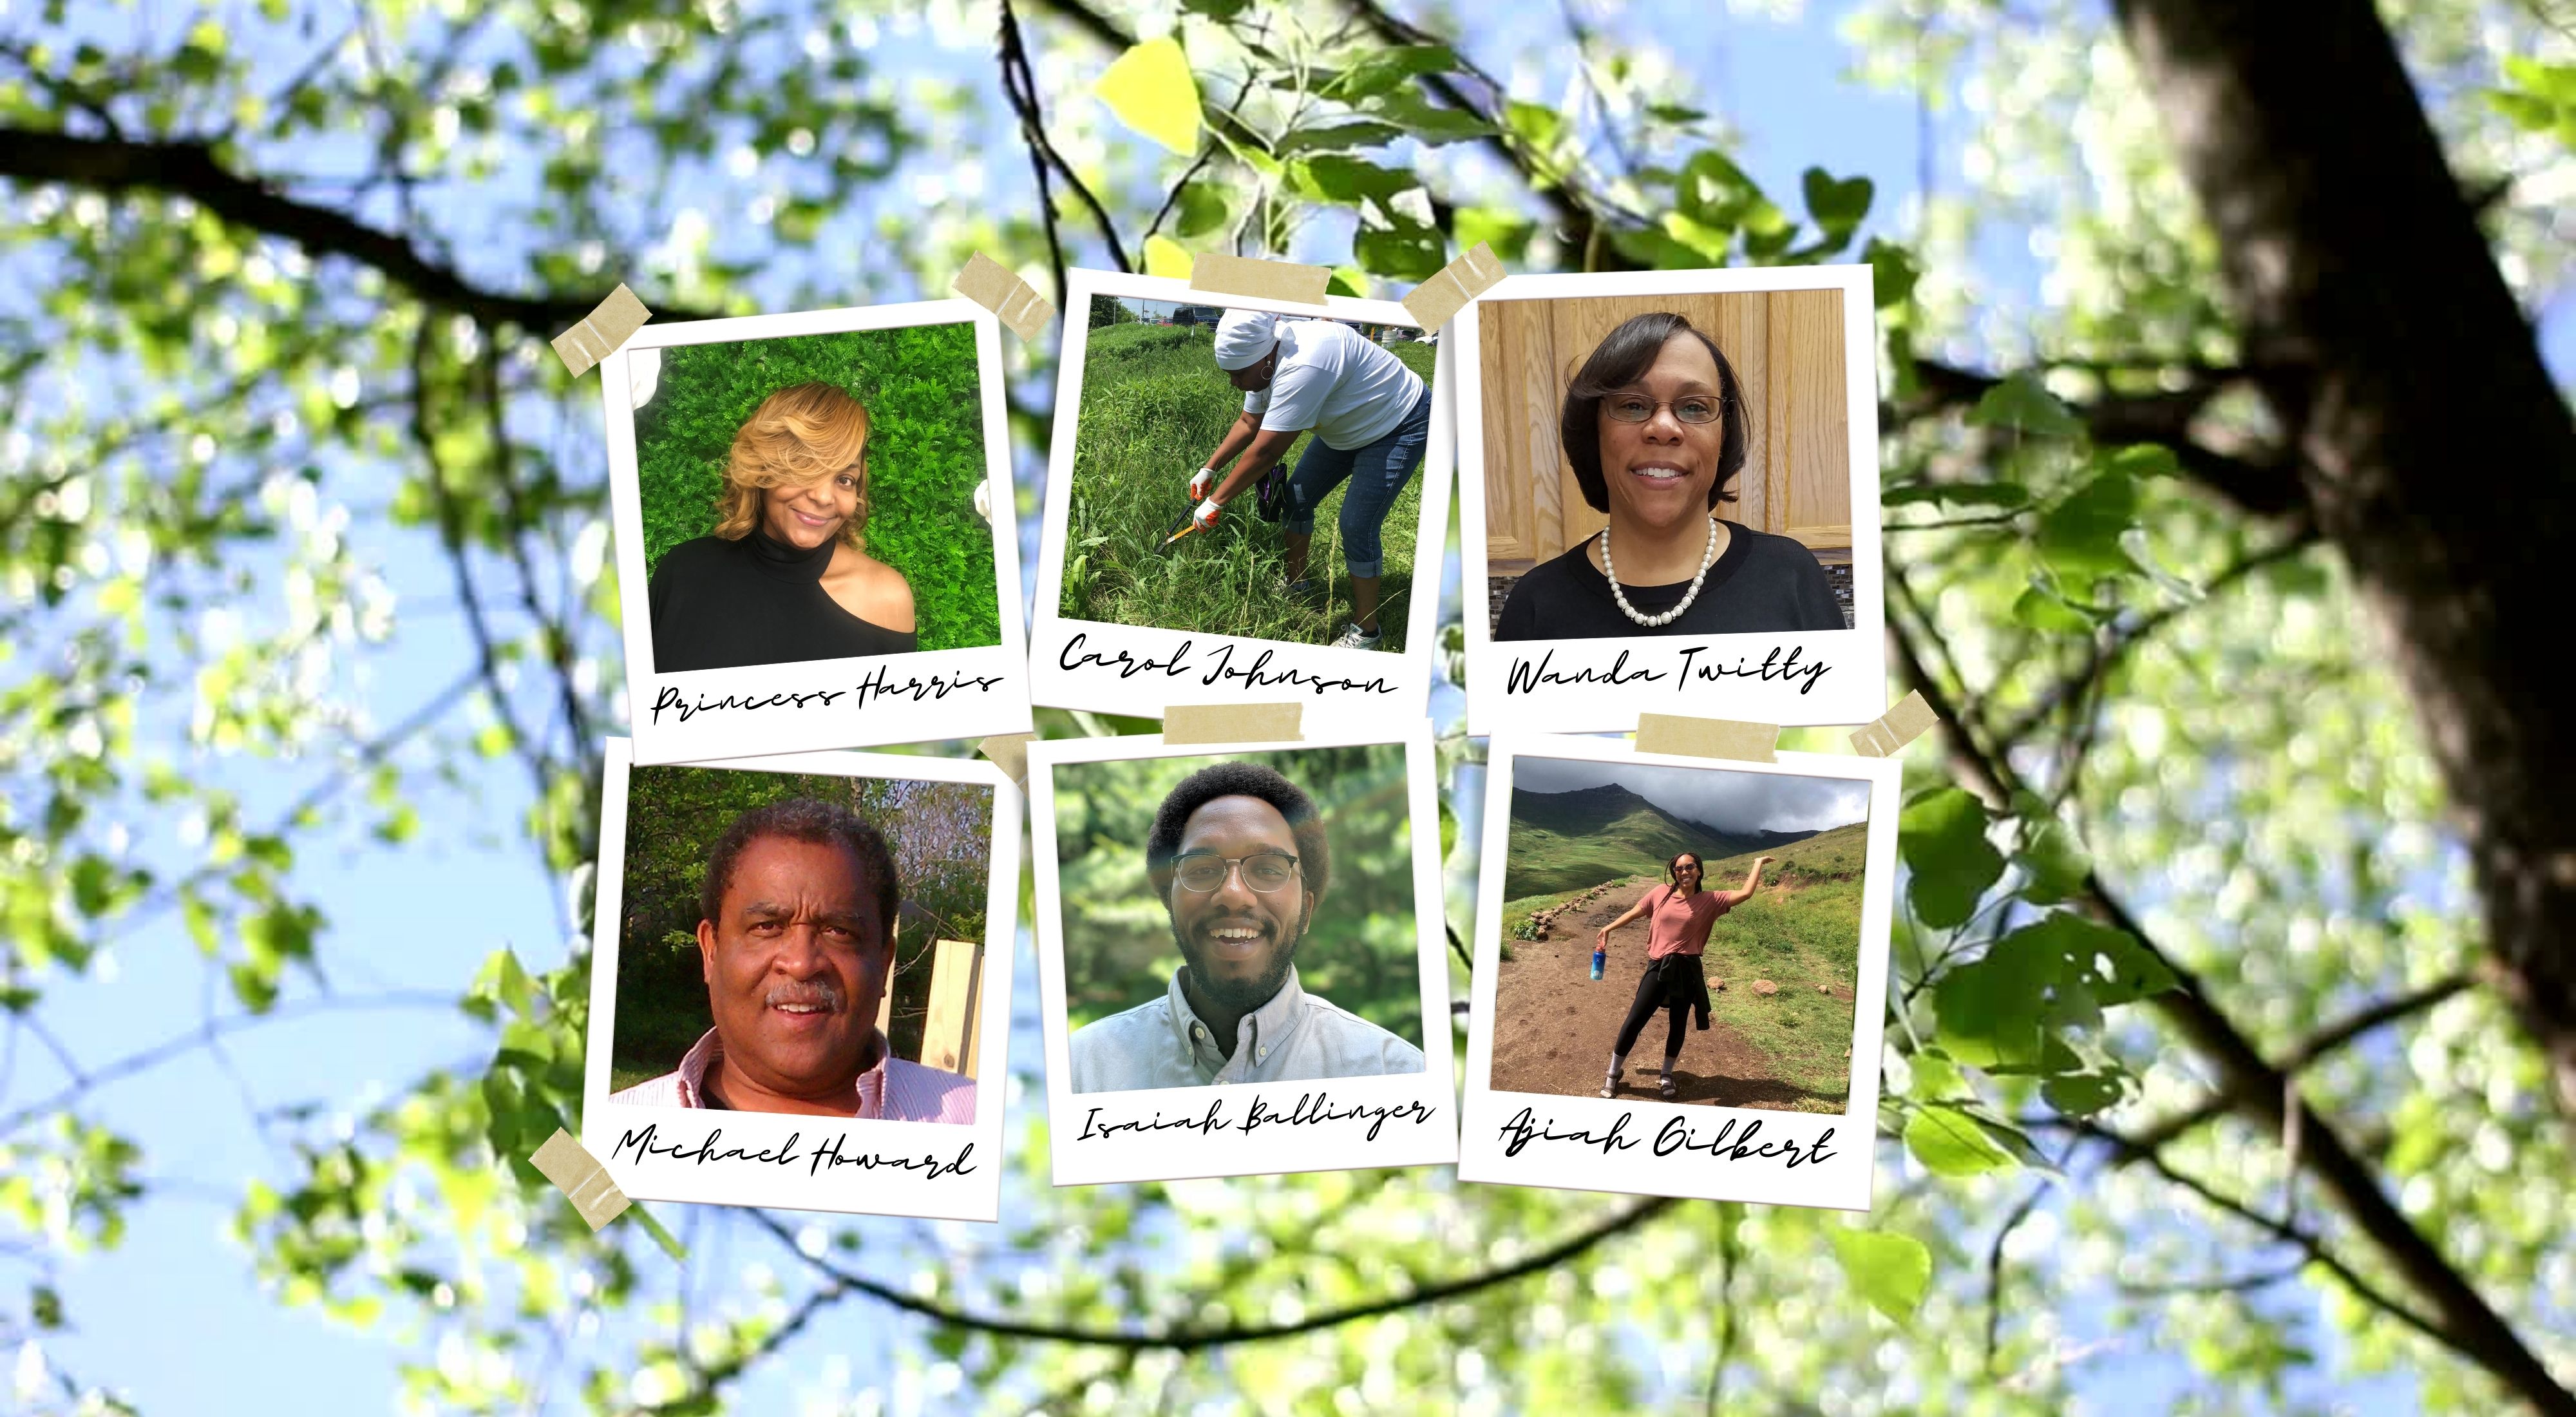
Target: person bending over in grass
1678, 920
1371, 418
784, 576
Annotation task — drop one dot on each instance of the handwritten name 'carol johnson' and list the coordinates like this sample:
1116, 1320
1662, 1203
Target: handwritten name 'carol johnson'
1258, 674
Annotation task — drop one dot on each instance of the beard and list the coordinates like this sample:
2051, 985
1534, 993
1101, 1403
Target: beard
1243, 994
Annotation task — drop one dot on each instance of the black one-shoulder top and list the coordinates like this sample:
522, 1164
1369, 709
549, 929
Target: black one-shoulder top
718, 604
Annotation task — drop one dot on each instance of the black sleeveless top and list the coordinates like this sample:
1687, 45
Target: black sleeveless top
718, 604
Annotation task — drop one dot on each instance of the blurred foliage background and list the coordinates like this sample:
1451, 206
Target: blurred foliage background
2193, 315
1361, 952
925, 455
941, 835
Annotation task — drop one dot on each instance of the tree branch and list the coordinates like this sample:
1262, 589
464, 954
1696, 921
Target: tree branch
190, 169
2259, 1091
1192, 1340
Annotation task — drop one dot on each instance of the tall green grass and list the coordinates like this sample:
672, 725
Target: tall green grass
1153, 406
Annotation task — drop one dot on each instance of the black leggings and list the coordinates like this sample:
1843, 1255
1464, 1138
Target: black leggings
1674, 984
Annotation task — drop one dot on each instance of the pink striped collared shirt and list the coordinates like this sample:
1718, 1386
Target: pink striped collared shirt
892, 1091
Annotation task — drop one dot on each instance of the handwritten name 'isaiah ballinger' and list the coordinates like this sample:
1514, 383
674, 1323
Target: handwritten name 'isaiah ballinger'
645, 1143
1313, 1109
1734, 1140
1258, 674
880, 684
1526, 678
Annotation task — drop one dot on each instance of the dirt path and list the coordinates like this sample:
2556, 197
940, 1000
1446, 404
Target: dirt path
1554, 1024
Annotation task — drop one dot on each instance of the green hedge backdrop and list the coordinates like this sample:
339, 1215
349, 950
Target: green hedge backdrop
942, 837
925, 455
1360, 952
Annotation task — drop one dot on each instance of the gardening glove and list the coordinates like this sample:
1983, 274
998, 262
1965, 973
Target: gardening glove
1206, 515
1204, 483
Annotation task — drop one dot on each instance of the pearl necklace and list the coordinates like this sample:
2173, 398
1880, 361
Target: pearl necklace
1707, 559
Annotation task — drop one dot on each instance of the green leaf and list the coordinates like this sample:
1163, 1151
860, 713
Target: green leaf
2145, 460
1218, 10
1891, 1271
1337, 137
1427, 123
2020, 402
1151, 90
1167, 258
2081, 1094
1384, 71
1350, 180
1949, 1142
1714, 192
2080, 536
1837, 205
1407, 250
1892, 272
1943, 839
2049, 613
1202, 210
2053, 864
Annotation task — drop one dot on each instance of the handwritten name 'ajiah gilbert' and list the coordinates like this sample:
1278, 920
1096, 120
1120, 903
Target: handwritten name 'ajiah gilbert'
1524, 677
1313, 1109
1258, 674
1727, 1144
645, 1142
919, 688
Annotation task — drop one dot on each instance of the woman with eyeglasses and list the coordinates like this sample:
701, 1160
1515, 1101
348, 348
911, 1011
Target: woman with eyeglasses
1654, 424
1679, 917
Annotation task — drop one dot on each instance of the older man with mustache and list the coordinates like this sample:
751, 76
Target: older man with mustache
1238, 854
795, 937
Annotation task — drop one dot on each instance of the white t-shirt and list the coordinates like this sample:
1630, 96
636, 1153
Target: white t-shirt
1331, 379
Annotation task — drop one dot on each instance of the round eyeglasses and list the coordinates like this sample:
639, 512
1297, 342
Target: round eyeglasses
1205, 871
1637, 408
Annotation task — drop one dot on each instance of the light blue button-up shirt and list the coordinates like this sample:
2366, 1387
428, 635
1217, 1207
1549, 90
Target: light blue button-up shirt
1295, 1037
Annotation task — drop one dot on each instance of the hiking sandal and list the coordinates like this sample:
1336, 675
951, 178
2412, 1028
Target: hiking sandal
1610, 1086
1669, 1089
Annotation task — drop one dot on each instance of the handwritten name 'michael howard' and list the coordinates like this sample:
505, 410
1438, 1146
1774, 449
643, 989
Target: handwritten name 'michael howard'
1523, 677
645, 1142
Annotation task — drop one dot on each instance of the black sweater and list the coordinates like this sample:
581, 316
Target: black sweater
1762, 584
719, 604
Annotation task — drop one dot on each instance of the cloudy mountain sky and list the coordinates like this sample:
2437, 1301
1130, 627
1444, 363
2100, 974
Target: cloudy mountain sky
1729, 799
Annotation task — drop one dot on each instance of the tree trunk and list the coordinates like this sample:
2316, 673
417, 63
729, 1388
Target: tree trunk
2435, 451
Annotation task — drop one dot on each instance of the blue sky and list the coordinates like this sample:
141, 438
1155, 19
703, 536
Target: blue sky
174, 1317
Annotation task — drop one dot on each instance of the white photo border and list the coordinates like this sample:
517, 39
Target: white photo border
938, 1170
1780, 1162
860, 702
1225, 1150
1763, 678
1142, 670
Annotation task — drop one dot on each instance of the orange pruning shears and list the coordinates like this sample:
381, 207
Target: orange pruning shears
1187, 523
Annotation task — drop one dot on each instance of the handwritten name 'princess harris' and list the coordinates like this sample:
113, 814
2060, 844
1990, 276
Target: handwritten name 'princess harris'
878, 685
1526, 678
1256, 675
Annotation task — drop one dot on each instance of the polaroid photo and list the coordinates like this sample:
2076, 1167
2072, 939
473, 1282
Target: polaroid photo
1681, 972
1241, 956
815, 545
1246, 503
801, 981
1669, 491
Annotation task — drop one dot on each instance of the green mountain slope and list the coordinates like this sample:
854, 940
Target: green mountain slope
1563, 841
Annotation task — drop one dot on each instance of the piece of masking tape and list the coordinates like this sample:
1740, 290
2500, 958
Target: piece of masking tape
579, 1175
1010, 753
1234, 723
1453, 285
990, 284
1894, 729
602, 331
1706, 737
1262, 280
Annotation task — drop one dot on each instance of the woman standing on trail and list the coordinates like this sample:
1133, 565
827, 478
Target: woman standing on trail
1678, 920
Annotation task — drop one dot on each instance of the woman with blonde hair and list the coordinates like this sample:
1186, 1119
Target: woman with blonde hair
785, 575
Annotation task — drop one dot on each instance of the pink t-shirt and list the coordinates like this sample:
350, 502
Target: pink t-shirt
1678, 924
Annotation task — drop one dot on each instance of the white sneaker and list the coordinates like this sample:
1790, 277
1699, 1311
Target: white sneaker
1353, 637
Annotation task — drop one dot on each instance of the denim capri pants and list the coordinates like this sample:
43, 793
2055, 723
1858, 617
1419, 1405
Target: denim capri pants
1376, 472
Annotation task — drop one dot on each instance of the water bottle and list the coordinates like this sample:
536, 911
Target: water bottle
1600, 957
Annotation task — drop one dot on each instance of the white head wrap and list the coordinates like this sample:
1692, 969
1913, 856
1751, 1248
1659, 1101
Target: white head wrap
1243, 337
